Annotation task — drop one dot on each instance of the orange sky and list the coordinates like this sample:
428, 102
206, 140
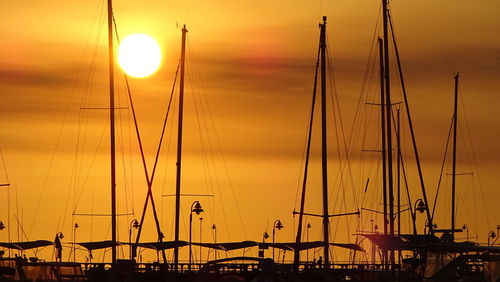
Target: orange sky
256, 61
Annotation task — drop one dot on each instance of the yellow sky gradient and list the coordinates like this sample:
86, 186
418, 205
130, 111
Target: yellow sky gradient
256, 60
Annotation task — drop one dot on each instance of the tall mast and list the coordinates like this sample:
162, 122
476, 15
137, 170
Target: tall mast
324, 154
398, 136
398, 173
388, 120
455, 121
382, 123
112, 130
383, 150
179, 148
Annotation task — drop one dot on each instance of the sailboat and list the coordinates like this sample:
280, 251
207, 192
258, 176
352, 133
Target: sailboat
299, 245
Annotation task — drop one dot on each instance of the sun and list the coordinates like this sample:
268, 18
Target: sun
139, 55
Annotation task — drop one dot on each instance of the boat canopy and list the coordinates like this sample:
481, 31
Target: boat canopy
309, 245
26, 245
99, 245
426, 243
228, 246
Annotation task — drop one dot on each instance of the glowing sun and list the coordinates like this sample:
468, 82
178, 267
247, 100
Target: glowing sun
139, 55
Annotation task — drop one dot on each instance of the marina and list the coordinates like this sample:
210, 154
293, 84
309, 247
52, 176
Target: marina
195, 194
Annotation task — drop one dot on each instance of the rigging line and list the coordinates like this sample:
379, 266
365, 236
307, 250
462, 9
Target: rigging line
209, 142
305, 141
85, 92
164, 126
22, 229
305, 159
467, 143
367, 72
17, 212
403, 169
201, 94
400, 157
474, 160
78, 196
136, 124
224, 161
442, 167
305, 148
122, 149
166, 162
218, 185
199, 108
360, 126
83, 118
58, 140
129, 134
4, 166
372, 159
202, 124
334, 93
199, 100
8, 196
410, 124
149, 180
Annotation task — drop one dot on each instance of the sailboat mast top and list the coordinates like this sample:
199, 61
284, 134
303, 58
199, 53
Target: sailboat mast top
179, 147
112, 130
324, 154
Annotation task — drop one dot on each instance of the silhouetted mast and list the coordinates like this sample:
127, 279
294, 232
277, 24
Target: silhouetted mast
388, 112
388, 120
398, 136
382, 128
453, 183
112, 130
179, 149
324, 153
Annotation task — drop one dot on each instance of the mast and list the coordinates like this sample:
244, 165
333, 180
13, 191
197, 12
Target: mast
388, 121
112, 130
324, 154
398, 173
398, 136
390, 187
382, 123
453, 183
383, 141
179, 148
